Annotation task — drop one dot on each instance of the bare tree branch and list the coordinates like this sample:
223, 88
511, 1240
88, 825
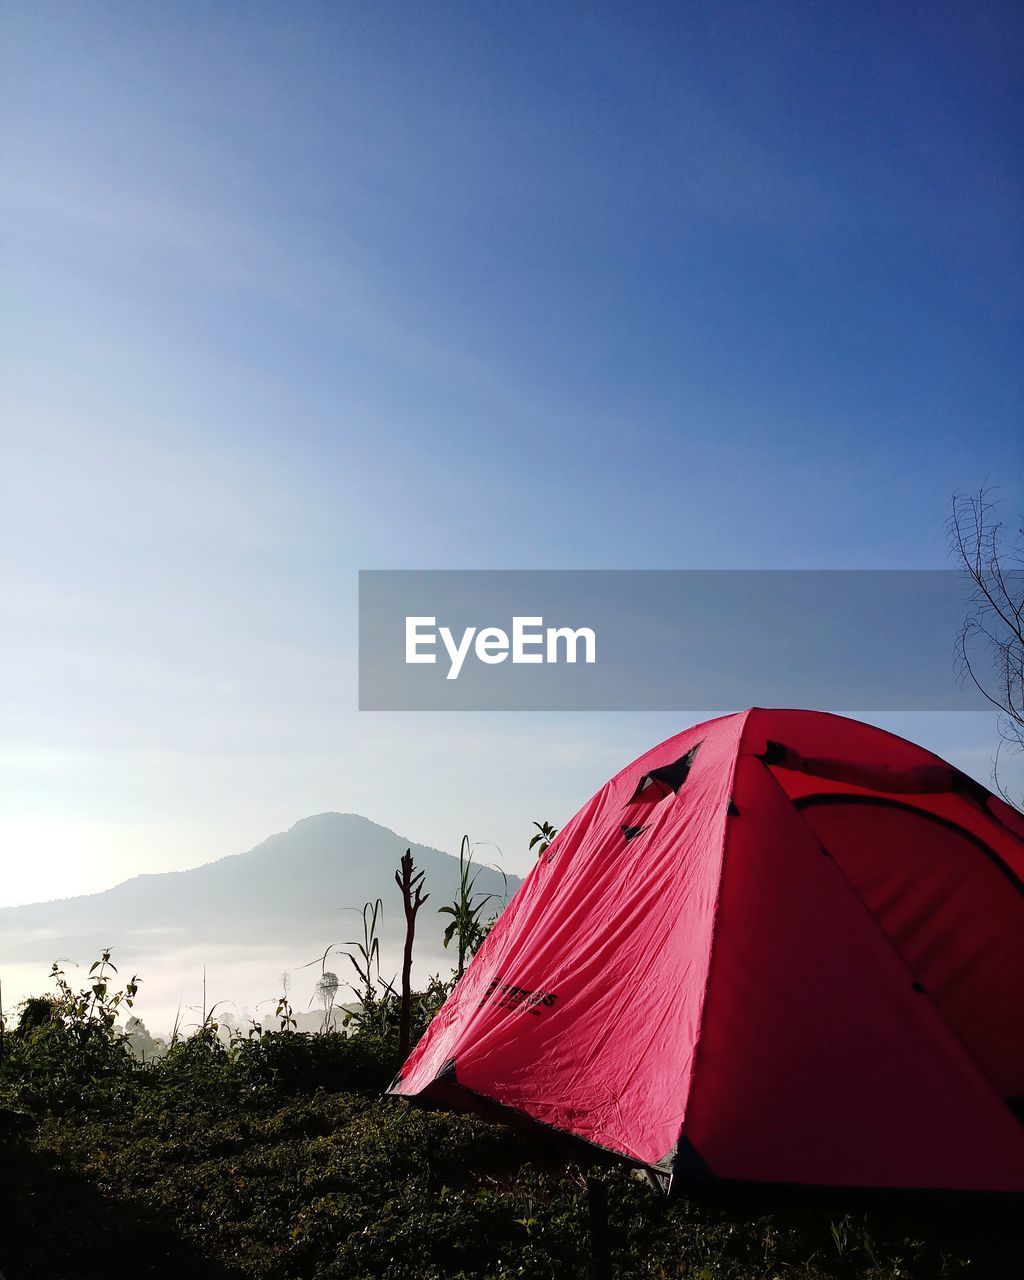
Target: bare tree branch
990, 645
410, 882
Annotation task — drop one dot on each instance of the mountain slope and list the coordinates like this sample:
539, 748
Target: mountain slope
299, 886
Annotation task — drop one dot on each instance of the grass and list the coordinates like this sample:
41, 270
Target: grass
277, 1158
273, 1156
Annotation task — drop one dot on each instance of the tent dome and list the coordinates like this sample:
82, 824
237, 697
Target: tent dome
782, 946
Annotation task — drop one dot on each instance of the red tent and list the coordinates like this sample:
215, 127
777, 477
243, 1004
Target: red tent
782, 946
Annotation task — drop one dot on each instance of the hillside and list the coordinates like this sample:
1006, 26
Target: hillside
277, 905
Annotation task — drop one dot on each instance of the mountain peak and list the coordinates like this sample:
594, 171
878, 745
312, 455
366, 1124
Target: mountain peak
291, 886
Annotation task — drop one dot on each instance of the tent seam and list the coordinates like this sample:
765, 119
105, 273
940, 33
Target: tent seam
726, 827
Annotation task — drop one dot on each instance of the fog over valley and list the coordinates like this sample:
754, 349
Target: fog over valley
246, 920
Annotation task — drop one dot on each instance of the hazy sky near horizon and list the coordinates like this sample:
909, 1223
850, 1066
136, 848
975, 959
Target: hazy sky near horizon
291, 291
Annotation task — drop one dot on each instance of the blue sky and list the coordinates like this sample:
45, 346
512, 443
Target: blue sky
293, 291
